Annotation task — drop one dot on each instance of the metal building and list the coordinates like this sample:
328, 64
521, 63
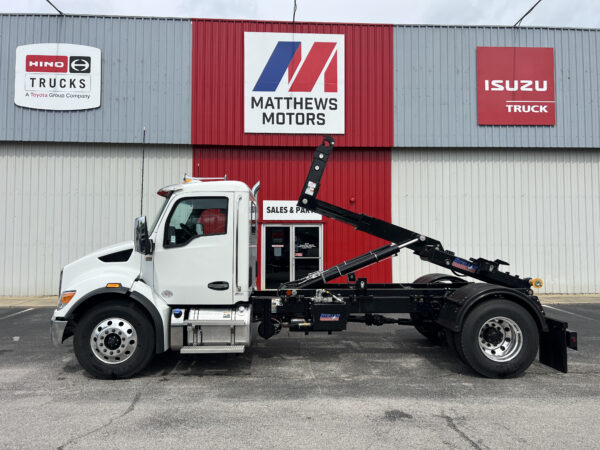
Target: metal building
412, 149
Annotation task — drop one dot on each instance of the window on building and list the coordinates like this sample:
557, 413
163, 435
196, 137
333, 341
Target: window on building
196, 217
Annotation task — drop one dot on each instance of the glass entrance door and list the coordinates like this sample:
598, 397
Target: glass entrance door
307, 250
277, 256
290, 252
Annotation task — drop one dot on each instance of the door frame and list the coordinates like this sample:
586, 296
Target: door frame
292, 226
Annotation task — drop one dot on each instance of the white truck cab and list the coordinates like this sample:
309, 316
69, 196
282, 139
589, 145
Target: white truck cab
182, 284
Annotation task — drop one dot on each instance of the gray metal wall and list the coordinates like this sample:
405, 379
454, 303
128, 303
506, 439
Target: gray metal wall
146, 79
435, 88
62, 201
537, 209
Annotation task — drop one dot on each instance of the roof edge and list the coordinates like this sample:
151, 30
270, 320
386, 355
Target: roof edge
208, 19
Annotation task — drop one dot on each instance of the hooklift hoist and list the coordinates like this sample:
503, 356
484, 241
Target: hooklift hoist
495, 326
173, 288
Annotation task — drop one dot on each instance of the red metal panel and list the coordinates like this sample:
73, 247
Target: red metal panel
218, 76
356, 179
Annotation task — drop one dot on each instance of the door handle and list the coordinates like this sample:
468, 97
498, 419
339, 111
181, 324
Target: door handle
219, 285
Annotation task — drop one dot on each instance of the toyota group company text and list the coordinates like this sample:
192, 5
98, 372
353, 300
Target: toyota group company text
485, 138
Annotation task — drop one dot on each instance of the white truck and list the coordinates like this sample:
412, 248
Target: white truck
188, 283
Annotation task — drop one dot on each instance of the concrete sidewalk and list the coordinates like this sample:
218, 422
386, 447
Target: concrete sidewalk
44, 302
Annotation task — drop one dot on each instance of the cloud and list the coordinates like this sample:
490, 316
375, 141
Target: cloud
557, 13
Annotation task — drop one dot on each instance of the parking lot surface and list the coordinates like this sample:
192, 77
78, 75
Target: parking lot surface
367, 387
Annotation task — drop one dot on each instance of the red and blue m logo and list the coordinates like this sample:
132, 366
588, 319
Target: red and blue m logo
287, 55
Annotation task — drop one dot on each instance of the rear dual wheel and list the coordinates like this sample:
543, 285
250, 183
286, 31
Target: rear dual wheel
432, 331
499, 339
435, 333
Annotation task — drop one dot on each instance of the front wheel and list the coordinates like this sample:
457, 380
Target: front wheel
114, 340
499, 339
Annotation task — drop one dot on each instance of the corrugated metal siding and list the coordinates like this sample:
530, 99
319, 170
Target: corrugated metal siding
359, 174
435, 87
218, 95
146, 80
539, 210
59, 202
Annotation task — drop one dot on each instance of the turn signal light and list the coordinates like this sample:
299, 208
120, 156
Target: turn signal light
113, 285
67, 296
536, 283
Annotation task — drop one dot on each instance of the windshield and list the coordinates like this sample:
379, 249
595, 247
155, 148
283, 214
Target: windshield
158, 214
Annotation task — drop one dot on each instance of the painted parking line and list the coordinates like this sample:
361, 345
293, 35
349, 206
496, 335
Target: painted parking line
16, 314
569, 312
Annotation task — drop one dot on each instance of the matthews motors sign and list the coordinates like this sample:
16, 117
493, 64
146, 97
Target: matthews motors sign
515, 86
293, 83
57, 77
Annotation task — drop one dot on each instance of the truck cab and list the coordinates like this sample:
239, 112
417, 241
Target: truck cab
185, 281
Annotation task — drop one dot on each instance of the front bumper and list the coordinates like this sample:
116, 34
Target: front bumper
57, 330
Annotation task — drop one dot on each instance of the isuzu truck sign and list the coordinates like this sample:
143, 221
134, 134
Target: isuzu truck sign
515, 86
57, 77
293, 83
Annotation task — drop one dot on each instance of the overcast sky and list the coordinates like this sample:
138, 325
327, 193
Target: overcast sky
560, 13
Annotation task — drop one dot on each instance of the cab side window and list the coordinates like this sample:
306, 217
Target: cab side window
196, 217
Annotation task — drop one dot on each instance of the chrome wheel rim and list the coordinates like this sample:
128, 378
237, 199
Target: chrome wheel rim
114, 340
500, 339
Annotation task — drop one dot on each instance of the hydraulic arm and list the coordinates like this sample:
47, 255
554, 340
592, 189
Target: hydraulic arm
427, 248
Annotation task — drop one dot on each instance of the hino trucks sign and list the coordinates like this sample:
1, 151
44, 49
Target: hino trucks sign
57, 77
515, 86
293, 83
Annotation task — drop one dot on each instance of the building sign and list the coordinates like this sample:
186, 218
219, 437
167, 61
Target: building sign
293, 83
515, 86
60, 77
286, 210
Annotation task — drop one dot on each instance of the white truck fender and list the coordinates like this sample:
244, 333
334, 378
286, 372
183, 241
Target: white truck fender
141, 294
158, 309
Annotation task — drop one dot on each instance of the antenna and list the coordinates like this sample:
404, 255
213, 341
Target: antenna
143, 157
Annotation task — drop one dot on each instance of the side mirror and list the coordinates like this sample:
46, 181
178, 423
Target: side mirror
142, 241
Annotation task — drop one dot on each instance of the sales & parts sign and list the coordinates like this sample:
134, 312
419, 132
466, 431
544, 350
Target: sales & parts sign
515, 86
294, 83
55, 76
287, 210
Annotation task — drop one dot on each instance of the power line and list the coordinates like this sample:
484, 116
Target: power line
52, 4
294, 14
518, 23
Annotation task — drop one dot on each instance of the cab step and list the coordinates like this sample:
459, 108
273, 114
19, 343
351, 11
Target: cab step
212, 349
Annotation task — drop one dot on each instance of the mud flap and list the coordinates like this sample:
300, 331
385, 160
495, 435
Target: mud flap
554, 343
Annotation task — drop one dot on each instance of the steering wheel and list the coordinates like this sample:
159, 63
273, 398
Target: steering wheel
189, 230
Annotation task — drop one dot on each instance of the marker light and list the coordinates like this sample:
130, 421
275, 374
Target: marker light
67, 296
536, 283
113, 285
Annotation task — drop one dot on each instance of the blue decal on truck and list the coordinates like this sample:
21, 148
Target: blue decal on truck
330, 318
464, 265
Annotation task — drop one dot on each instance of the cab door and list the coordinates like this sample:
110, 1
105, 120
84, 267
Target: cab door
193, 256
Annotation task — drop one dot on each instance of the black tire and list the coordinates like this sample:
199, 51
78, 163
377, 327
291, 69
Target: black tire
435, 333
452, 340
468, 342
144, 342
432, 331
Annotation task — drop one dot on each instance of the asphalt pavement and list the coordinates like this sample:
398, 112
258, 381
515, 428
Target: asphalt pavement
366, 387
